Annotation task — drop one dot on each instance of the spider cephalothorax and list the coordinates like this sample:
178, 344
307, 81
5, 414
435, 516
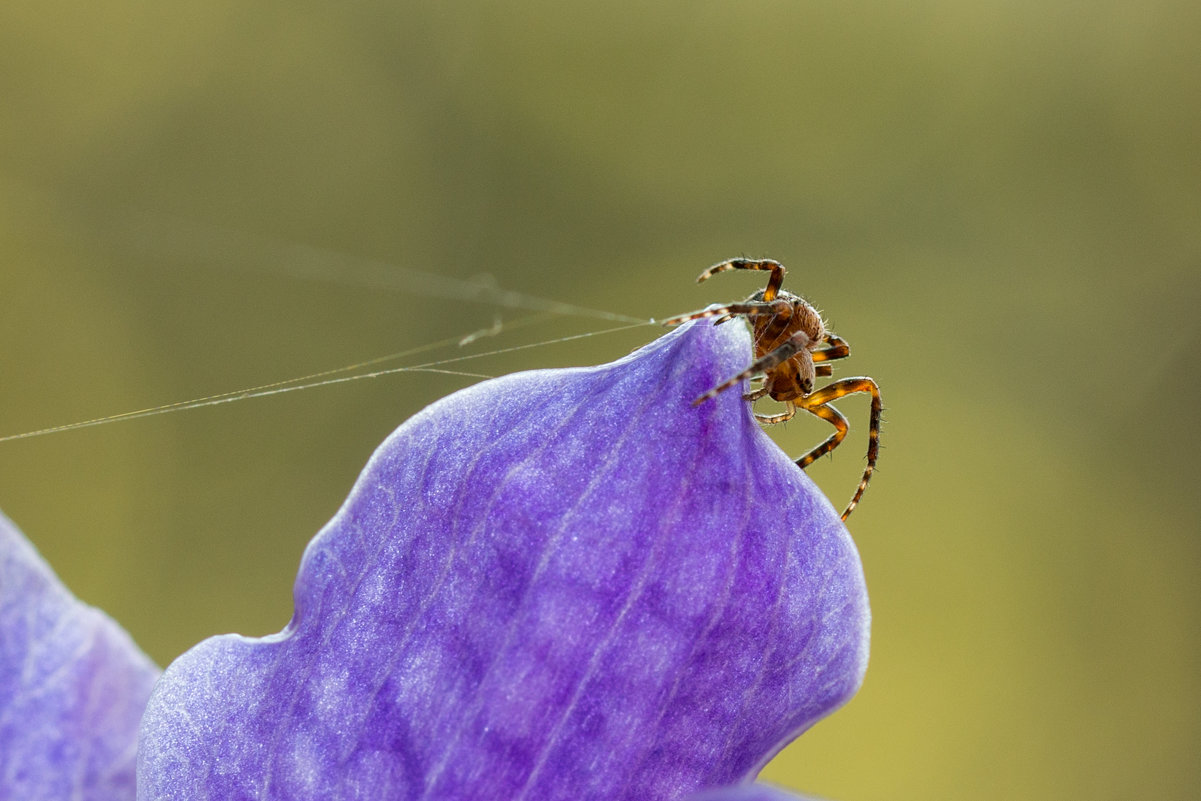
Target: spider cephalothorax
791, 345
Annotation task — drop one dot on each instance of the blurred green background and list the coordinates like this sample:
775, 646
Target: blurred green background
997, 203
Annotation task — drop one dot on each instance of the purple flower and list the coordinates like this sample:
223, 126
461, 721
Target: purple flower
563, 584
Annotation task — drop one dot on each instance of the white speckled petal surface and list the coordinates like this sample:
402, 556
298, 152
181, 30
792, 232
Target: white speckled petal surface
72, 687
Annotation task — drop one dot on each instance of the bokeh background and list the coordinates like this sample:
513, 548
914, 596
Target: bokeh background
997, 203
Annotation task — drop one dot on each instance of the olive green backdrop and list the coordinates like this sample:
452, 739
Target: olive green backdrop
997, 203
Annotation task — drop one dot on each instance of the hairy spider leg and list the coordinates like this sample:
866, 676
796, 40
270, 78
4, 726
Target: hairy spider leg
841, 426
839, 349
773, 282
789, 412
755, 394
840, 389
749, 309
778, 356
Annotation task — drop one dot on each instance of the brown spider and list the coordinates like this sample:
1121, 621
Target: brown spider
789, 337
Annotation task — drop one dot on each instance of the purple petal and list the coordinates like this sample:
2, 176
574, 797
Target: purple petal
72, 687
557, 584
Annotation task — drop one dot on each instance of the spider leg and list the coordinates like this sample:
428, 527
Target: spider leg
777, 356
839, 349
770, 419
749, 308
782, 417
773, 282
840, 389
834, 418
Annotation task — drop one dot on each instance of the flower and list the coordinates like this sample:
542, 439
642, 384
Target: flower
561, 584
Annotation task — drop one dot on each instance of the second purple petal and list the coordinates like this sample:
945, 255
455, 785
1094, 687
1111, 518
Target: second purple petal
72, 687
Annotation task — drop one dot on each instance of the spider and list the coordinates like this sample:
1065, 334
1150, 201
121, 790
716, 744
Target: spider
791, 348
